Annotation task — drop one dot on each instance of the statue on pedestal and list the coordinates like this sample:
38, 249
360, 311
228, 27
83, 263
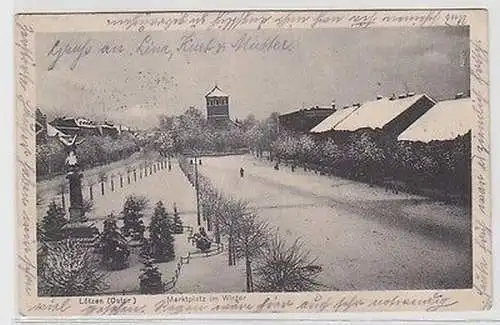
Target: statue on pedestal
74, 176
77, 227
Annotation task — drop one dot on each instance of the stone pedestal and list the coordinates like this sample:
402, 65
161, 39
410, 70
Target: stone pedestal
75, 196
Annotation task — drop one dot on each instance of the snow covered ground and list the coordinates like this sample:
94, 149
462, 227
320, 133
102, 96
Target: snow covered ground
365, 238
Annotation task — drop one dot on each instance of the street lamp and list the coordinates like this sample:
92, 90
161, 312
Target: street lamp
198, 216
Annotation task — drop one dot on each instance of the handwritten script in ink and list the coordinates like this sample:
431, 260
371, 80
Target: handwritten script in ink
72, 52
182, 304
227, 21
481, 157
25, 155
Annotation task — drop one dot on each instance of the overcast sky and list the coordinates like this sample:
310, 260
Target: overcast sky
345, 65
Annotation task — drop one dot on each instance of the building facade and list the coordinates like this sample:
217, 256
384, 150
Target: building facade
217, 107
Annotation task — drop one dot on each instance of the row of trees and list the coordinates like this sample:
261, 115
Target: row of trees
370, 156
191, 131
94, 151
279, 267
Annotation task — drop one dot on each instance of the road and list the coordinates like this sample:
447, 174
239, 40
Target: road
364, 238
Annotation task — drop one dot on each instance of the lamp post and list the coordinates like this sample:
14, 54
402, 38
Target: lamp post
198, 216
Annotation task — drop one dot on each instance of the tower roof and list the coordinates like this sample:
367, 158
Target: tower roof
216, 92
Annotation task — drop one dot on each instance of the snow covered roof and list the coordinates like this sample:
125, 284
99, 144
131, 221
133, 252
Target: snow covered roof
376, 114
310, 109
331, 121
216, 92
444, 121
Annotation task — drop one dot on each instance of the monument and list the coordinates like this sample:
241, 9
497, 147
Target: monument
77, 227
74, 175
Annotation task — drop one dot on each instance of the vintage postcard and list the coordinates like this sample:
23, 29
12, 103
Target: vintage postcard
252, 162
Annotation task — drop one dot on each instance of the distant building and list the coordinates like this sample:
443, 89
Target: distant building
444, 121
217, 107
303, 120
84, 127
75, 126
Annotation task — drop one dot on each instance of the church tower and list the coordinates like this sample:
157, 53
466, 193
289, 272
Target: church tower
217, 107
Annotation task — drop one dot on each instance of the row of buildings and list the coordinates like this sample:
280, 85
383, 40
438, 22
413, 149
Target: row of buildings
407, 117
70, 126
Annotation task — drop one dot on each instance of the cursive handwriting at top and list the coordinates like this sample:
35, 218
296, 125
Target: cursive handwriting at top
191, 43
273, 43
148, 46
252, 20
62, 49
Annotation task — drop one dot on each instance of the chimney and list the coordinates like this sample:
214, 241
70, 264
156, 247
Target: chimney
333, 105
402, 96
411, 94
459, 95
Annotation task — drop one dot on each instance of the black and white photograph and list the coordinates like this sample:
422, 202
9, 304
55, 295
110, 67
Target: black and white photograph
265, 160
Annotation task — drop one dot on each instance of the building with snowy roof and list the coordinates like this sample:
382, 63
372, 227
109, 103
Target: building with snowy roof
390, 115
303, 120
444, 121
334, 119
217, 107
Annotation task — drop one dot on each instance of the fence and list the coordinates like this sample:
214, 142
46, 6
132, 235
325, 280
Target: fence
112, 183
169, 285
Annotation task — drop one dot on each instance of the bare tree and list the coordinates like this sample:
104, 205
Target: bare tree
230, 212
250, 238
287, 268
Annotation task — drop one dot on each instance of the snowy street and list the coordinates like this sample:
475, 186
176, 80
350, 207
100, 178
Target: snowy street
364, 238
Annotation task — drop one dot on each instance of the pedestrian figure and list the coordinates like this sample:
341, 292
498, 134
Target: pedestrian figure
276, 167
199, 161
191, 161
169, 167
293, 168
242, 172
202, 232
